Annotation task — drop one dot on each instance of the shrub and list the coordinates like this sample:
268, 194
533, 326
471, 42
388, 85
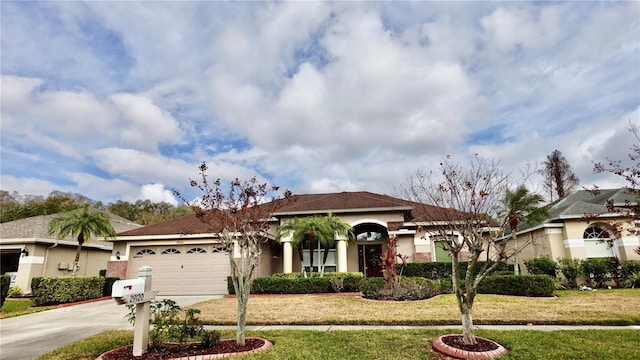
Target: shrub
14, 291
414, 288
5, 282
633, 281
629, 268
58, 290
600, 270
571, 269
541, 265
108, 285
296, 283
518, 285
436, 271
167, 326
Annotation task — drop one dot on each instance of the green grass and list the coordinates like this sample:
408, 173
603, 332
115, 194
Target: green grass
398, 344
16, 307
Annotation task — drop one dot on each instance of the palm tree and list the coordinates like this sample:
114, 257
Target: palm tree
314, 230
520, 206
82, 223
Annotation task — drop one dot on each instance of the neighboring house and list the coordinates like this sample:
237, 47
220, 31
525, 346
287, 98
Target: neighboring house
578, 225
187, 258
27, 251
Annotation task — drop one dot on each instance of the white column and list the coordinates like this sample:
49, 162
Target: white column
287, 256
341, 249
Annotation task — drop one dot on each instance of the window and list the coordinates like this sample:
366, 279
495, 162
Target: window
196, 251
218, 249
142, 252
596, 244
170, 251
318, 256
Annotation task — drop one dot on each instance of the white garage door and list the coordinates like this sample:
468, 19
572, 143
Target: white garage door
183, 269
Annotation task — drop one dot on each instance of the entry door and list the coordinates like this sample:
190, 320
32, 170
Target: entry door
369, 260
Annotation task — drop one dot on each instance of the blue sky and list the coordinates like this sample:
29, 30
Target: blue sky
123, 100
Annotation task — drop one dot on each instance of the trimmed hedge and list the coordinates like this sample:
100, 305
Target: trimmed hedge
59, 290
541, 265
441, 271
5, 282
518, 285
296, 283
600, 270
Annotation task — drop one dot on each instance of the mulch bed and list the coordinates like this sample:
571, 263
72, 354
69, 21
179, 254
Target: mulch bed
482, 345
170, 351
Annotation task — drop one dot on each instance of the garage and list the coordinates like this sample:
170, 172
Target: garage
196, 269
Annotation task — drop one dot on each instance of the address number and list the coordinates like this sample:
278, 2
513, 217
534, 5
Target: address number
136, 298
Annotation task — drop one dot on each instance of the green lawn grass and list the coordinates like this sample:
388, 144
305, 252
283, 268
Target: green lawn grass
16, 307
398, 344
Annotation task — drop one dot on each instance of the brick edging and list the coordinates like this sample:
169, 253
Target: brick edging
266, 346
456, 353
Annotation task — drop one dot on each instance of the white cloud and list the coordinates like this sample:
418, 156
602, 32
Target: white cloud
157, 193
29, 185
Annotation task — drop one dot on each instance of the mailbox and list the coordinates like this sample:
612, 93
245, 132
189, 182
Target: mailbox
122, 290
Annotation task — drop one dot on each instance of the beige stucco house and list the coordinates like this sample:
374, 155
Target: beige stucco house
27, 251
187, 257
578, 224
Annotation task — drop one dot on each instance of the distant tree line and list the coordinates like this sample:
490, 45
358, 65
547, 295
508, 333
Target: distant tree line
15, 206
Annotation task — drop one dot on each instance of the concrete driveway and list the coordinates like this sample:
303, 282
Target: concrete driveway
28, 336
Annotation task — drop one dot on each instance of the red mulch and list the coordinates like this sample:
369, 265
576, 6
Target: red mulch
169, 351
482, 345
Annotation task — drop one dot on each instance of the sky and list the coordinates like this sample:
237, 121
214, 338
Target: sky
124, 100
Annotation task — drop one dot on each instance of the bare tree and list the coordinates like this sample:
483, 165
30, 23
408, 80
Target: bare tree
467, 197
558, 177
630, 173
240, 217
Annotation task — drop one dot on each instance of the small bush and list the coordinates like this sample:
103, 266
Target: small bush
108, 285
518, 285
571, 269
542, 265
59, 290
414, 288
629, 268
5, 282
600, 270
14, 291
633, 281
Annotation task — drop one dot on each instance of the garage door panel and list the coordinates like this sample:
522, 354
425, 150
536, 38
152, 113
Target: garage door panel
184, 270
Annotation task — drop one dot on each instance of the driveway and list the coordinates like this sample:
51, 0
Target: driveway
28, 336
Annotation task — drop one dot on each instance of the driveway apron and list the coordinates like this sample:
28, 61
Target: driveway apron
28, 336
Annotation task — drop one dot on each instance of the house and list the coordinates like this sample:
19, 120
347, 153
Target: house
579, 226
187, 257
27, 251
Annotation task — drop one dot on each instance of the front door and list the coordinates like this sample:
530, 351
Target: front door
369, 260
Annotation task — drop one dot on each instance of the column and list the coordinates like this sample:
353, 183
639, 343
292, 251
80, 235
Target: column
287, 255
341, 250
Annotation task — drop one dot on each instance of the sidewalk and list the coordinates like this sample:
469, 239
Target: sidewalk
413, 327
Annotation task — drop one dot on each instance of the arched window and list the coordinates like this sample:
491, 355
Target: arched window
597, 242
196, 250
218, 249
142, 252
170, 251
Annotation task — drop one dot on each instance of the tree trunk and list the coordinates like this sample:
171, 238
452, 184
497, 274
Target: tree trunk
243, 301
76, 262
516, 266
468, 337
301, 254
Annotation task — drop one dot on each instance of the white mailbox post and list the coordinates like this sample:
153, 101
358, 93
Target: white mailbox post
137, 291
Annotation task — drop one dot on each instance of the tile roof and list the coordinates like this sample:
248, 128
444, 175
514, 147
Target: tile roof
342, 202
582, 202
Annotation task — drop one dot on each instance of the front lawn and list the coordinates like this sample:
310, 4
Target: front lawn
16, 307
603, 307
397, 344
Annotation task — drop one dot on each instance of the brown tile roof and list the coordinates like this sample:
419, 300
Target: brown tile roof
341, 202
188, 224
313, 204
